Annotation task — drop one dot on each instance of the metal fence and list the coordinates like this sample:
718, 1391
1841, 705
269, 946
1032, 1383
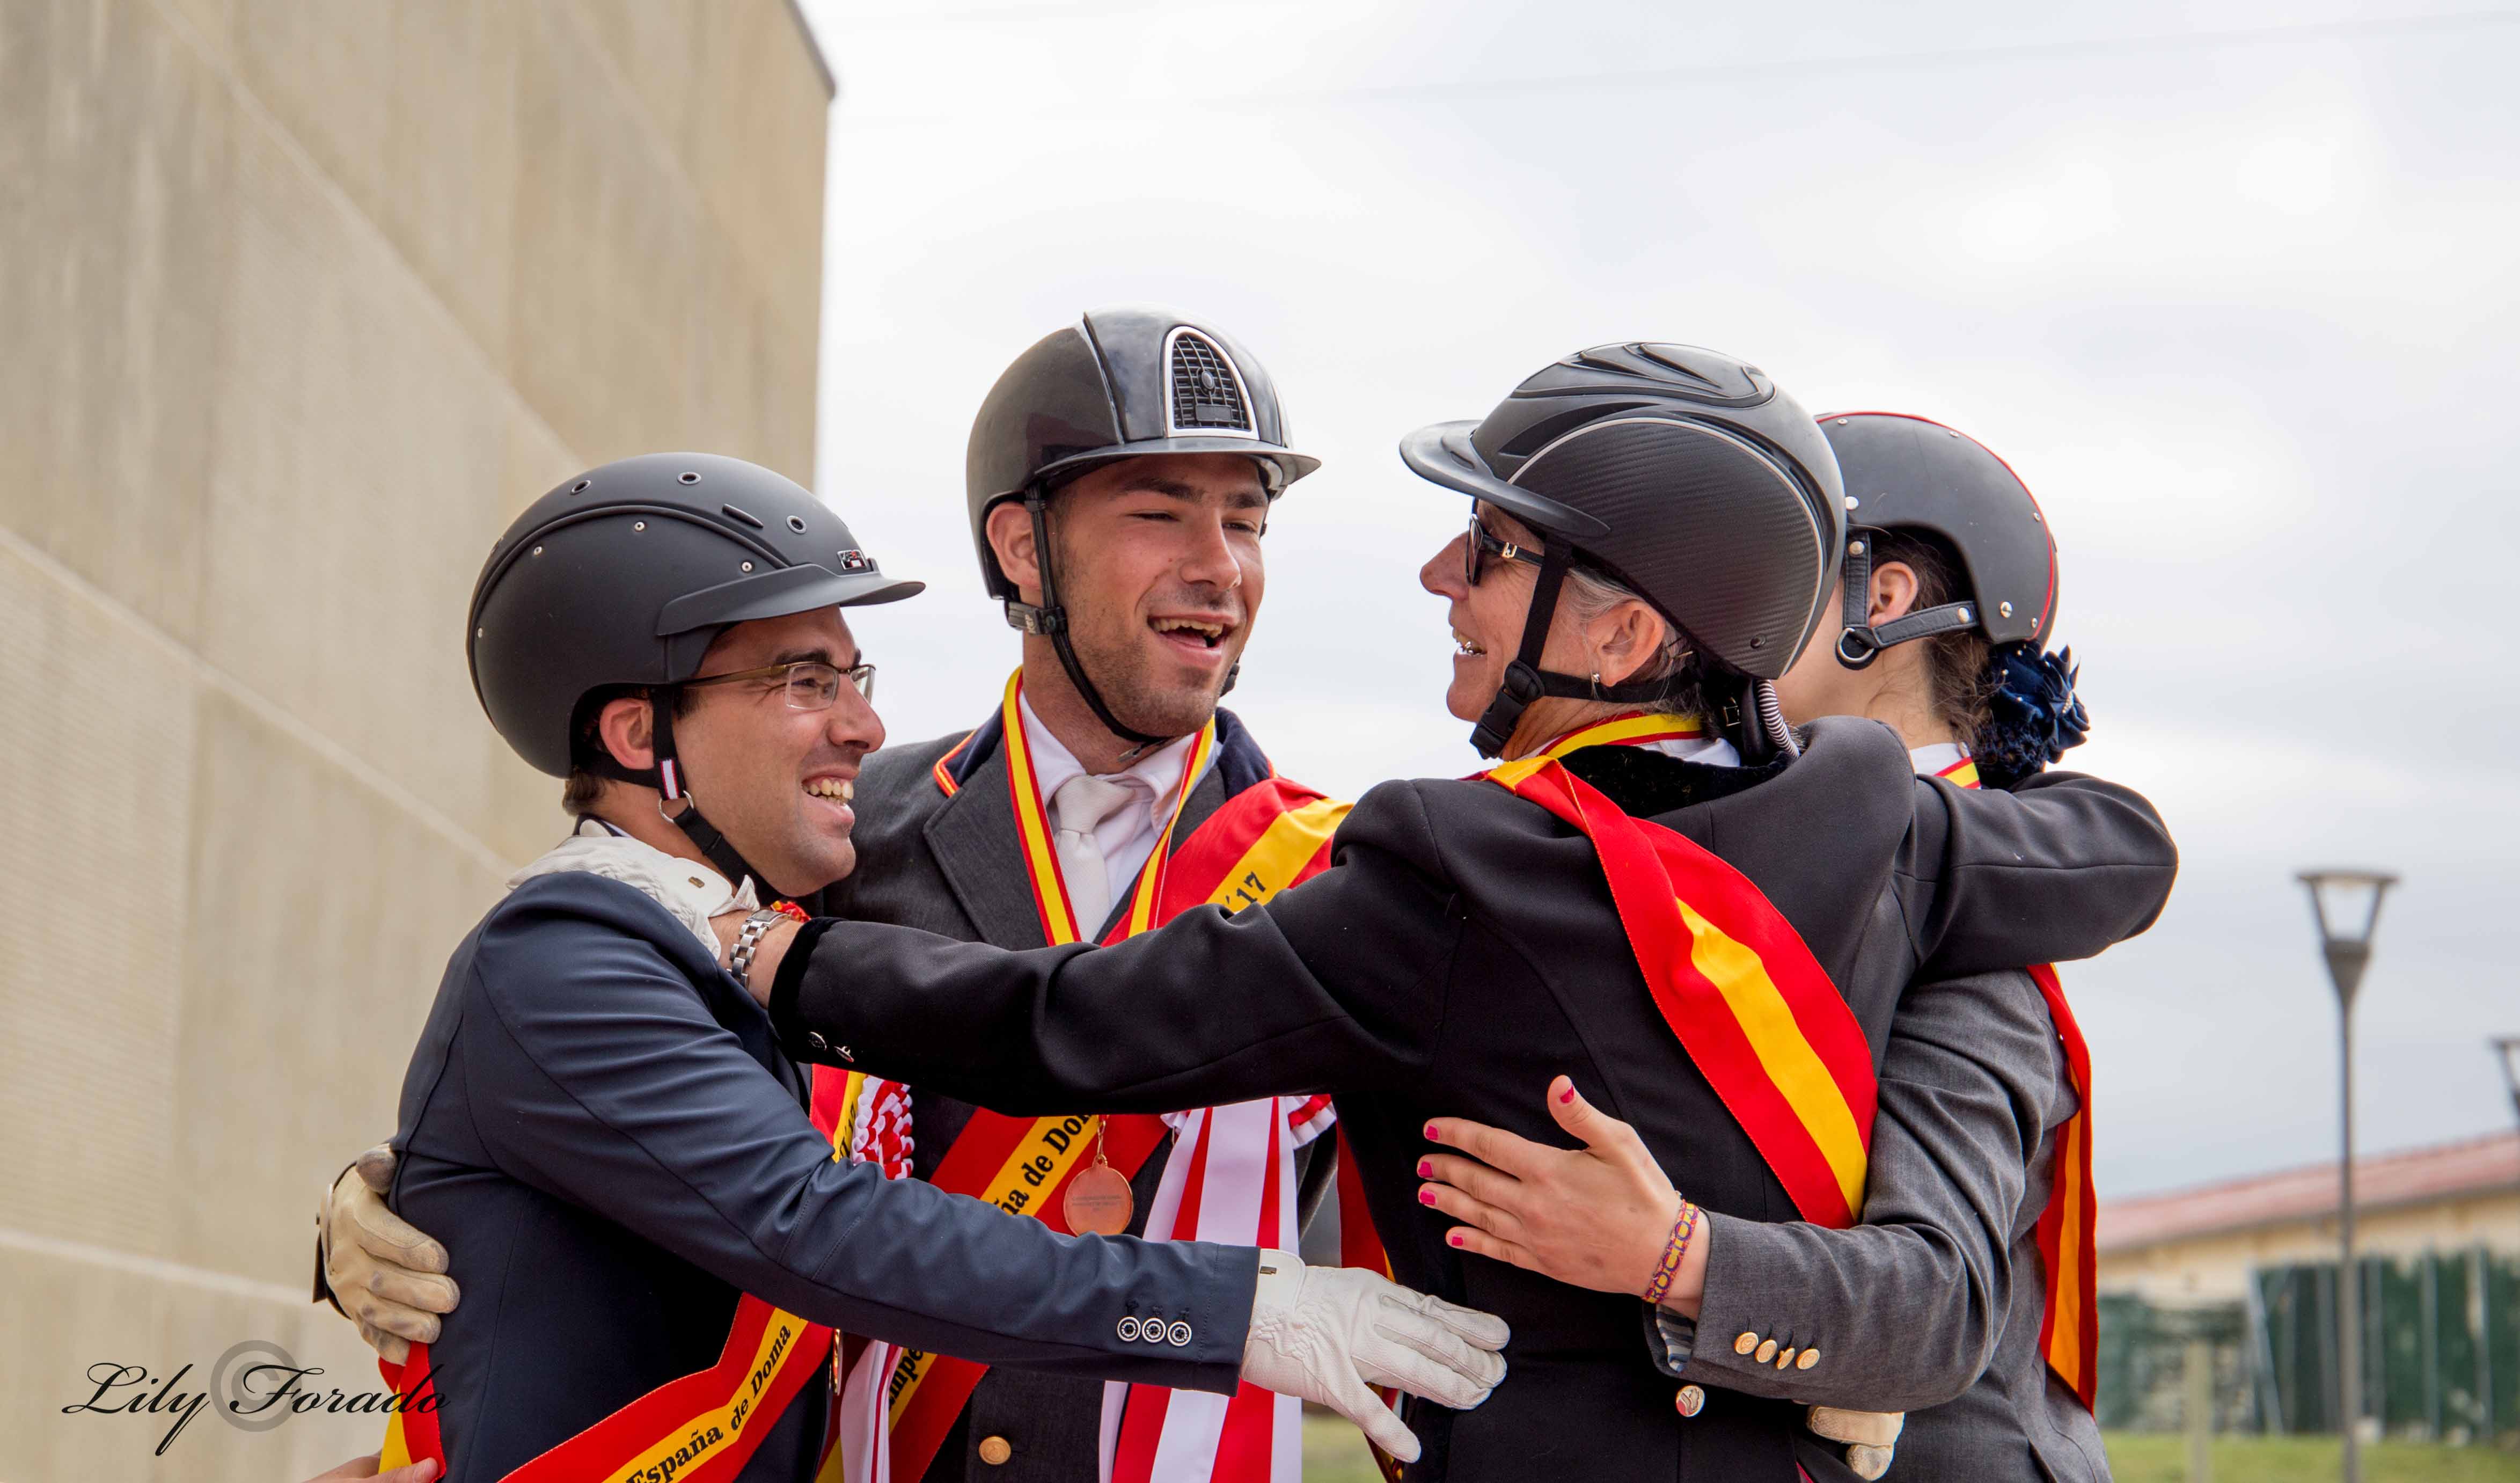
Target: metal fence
2441, 1351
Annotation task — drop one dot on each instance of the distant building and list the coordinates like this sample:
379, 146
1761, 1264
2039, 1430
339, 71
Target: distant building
2248, 1268
2196, 1246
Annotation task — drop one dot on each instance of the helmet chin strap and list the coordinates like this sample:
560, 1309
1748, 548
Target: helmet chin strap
667, 777
1050, 621
1859, 641
1525, 681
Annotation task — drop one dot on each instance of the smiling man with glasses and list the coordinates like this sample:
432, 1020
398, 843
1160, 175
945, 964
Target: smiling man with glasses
655, 1236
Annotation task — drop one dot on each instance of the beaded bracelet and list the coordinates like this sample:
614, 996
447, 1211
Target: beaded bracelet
1683, 1227
791, 910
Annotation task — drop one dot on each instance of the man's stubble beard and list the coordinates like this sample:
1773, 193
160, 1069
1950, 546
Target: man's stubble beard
1118, 666
1122, 672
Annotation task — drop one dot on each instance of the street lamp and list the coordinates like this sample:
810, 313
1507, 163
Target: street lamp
2508, 1049
2347, 907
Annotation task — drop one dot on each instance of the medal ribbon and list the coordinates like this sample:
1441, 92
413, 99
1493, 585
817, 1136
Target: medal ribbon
1266, 838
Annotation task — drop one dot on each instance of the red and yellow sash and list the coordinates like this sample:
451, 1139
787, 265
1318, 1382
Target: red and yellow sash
700, 1429
1268, 837
1734, 980
2069, 1331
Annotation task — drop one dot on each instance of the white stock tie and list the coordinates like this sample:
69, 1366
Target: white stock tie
1081, 803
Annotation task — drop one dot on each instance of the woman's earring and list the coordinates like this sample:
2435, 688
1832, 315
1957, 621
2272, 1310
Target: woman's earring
1597, 685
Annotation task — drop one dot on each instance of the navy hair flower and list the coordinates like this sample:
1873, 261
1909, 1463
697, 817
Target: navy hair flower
2036, 715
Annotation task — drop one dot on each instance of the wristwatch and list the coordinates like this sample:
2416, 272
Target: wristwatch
749, 942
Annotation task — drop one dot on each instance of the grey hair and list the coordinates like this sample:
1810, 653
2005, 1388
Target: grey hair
1587, 595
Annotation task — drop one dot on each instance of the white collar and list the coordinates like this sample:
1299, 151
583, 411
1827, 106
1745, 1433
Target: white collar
688, 889
1935, 758
1713, 751
1158, 772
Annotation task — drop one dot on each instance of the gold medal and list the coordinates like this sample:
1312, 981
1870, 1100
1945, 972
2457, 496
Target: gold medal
1099, 1200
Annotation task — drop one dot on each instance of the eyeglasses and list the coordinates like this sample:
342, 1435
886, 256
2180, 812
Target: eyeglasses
810, 684
1482, 544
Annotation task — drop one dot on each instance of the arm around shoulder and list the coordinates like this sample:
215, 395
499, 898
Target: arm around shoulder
1314, 988
2062, 868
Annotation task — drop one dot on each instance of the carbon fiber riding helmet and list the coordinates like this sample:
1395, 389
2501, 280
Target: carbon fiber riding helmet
1681, 474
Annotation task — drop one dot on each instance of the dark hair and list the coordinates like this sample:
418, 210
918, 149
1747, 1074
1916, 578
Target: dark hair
1959, 681
2013, 704
578, 794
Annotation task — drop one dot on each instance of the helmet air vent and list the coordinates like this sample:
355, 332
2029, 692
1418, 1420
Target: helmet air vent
1206, 392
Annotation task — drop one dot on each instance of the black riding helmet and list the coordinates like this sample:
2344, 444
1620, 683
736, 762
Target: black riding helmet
622, 577
1118, 384
1910, 473
1679, 472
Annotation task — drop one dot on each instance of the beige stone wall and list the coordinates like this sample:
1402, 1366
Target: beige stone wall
299, 302
2215, 1268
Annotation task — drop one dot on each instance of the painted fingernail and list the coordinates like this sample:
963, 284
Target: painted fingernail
1433, 1135
1425, 1168
1569, 1094
1425, 1196
1455, 1238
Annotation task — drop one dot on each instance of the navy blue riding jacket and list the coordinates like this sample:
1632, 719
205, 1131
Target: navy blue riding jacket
601, 1126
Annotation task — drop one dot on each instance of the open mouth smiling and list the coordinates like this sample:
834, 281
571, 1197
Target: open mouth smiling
1206, 633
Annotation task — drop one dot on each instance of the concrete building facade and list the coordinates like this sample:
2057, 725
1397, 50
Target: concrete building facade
299, 304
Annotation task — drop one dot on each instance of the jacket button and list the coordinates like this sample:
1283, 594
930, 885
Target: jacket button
815, 1039
1785, 1357
1178, 1335
994, 1451
1745, 1343
1767, 1352
1807, 1359
1691, 1400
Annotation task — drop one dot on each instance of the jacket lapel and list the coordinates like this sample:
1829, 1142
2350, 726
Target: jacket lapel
976, 847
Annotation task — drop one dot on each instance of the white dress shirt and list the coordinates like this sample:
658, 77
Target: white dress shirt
1713, 751
1126, 836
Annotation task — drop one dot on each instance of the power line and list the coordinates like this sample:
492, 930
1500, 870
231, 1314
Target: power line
1744, 71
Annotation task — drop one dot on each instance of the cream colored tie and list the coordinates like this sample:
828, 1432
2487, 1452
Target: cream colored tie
1081, 803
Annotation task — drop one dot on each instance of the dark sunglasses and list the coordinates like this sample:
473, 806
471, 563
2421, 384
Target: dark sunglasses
1481, 546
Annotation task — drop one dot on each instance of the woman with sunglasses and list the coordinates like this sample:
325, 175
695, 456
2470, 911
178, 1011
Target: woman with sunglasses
1704, 918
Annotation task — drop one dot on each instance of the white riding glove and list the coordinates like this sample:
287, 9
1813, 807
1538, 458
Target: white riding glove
1868, 1436
1329, 1333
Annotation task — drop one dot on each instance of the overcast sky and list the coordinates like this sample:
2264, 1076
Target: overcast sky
2230, 284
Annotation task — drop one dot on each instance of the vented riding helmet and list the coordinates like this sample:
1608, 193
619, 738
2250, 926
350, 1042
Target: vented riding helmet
1118, 384
623, 576
1679, 472
1909, 472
